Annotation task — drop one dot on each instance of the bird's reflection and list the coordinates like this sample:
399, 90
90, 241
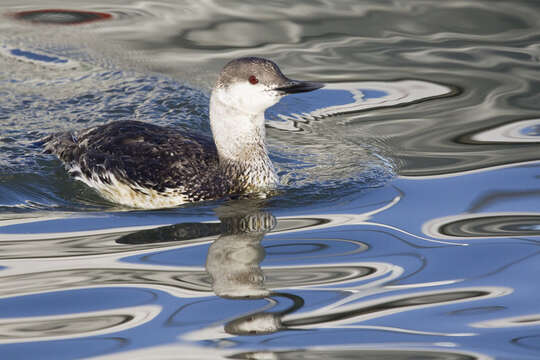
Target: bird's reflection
264, 322
233, 262
234, 257
233, 271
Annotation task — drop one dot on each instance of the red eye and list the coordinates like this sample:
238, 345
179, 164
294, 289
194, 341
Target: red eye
253, 80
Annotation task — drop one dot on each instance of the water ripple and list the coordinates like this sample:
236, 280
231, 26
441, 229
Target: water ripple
487, 225
406, 225
68, 326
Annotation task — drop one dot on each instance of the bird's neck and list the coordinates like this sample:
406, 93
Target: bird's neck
240, 142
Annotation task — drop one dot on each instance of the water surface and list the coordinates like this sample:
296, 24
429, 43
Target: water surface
406, 225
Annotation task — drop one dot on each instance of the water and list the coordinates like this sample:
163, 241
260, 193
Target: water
406, 225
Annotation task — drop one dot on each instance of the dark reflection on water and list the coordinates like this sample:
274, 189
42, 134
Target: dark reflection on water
400, 304
346, 354
179, 232
493, 226
60, 16
528, 342
51, 327
519, 131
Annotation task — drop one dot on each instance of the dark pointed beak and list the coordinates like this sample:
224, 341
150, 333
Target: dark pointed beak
295, 86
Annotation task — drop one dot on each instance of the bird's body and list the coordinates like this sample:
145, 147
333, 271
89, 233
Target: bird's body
143, 165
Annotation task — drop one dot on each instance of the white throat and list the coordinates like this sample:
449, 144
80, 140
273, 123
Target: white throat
239, 134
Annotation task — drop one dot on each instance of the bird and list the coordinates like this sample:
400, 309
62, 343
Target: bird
143, 165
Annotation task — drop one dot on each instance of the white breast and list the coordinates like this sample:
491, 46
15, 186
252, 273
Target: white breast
132, 195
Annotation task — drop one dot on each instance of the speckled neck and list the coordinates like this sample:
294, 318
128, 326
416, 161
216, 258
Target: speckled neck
250, 175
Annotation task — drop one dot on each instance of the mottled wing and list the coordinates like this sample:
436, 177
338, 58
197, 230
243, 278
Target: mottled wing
144, 156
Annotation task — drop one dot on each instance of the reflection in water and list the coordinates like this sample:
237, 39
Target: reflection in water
358, 353
59, 327
528, 342
60, 16
365, 310
519, 131
267, 271
484, 225
494, 226
390, 352
39, 58
517, 321
178, 232
233, 262
357, 97
234, 257
265, 322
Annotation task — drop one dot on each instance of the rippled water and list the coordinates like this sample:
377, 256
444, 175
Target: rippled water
407, 222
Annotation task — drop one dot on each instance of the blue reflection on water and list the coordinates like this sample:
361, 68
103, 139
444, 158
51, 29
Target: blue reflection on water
309, 102
37, 57
372, 94
75, 301
516, 188
64, 349
323, 98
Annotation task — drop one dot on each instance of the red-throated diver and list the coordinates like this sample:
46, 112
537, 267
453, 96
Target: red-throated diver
143, 165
